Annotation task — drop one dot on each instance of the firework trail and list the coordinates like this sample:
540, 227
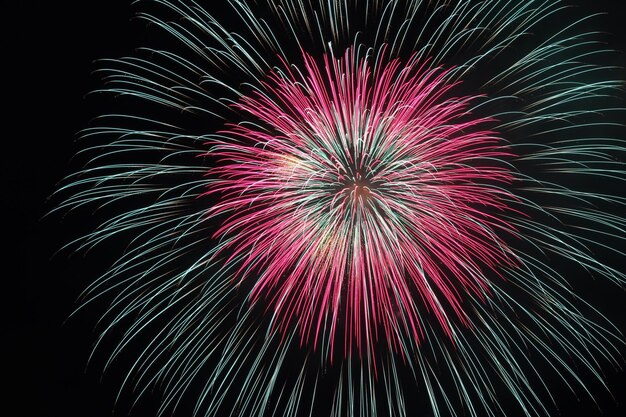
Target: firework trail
360, 201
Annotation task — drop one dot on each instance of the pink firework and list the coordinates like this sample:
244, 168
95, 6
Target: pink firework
369, 181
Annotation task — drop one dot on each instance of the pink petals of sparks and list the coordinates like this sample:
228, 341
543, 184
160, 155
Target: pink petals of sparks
360, 199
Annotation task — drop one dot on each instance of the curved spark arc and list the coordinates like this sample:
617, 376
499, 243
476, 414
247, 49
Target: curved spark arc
196, 306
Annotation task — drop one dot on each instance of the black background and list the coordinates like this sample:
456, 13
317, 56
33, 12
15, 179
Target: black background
48, 49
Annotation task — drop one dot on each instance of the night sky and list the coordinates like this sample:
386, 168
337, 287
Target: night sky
48, 49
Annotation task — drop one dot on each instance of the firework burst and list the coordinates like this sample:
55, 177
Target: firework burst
357, 201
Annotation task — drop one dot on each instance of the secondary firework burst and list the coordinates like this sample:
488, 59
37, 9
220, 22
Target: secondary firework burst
357, 201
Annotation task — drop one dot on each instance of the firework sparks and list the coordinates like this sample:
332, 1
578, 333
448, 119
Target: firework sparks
355, 195
366, 182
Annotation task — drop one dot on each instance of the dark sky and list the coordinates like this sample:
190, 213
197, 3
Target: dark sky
47, 53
